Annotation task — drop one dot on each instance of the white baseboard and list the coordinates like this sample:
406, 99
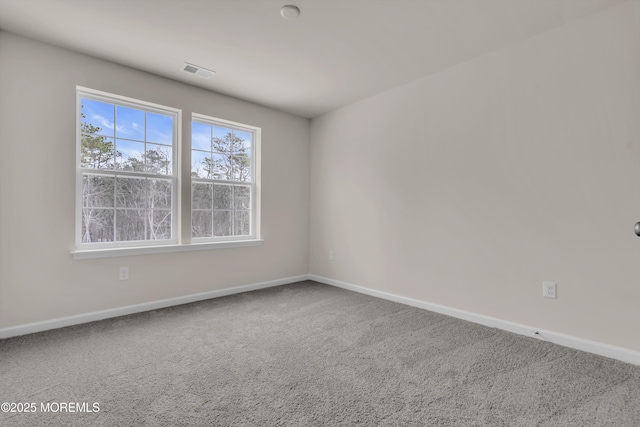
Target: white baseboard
139, 308
618, 353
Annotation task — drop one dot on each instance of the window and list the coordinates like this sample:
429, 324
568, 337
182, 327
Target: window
126, 170
223, 184
129, 183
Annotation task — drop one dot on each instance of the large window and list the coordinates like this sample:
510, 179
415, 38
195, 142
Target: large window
126, 167
222, 179
131, 192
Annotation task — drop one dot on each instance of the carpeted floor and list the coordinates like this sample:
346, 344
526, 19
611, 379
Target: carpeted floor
308, 354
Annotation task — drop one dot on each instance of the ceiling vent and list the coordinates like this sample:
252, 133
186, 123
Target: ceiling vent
198, 71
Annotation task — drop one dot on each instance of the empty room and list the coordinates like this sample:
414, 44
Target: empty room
320, 213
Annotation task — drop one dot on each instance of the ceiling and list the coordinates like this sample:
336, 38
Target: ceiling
335, 53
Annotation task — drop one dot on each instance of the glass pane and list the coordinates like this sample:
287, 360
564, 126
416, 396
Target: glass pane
221, 131
158, 159
131, 192
159, 193
129, 123
159, 128
200, 161
222, 196
245, 141
221, 167
96, 117
201, 196
201, 222
222, 138
241, 168
97, 191
200, 136
242, 224
96, 152
237, 144
222, 223
241, 197
130, 155
245, 149
160, 226
97, 225
130, 224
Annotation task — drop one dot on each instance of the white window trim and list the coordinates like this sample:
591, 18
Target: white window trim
254, 184
83, 92
181, 240
159, 249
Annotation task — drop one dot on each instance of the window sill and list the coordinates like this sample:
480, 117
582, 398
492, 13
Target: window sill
147, 250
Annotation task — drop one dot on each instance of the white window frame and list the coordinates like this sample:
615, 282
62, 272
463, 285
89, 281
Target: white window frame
255, 177
118, 100
181, 239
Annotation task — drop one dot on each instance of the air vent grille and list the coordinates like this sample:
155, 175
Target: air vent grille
190, 69
198, 71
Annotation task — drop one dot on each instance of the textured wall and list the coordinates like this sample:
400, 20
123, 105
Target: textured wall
470, 187
39, 280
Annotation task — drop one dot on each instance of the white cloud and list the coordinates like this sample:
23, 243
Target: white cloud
106, 124
103, 121
201, 141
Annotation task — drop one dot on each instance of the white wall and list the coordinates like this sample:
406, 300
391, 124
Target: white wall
470, 187
39, 280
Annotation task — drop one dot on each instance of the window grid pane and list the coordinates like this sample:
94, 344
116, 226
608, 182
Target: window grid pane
125, 208
97, 225
143, 139
221, 153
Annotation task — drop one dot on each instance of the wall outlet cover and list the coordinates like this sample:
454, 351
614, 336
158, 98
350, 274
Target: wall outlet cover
549, 289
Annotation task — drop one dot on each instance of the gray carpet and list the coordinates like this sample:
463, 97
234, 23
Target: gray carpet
308, 354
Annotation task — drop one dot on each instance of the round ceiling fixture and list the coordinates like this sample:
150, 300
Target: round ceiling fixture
289, 11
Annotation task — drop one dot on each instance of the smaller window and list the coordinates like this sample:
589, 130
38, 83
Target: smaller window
223, 180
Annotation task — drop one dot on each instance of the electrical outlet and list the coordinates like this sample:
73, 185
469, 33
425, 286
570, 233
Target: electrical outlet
330, 254
549, 290
124, 273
